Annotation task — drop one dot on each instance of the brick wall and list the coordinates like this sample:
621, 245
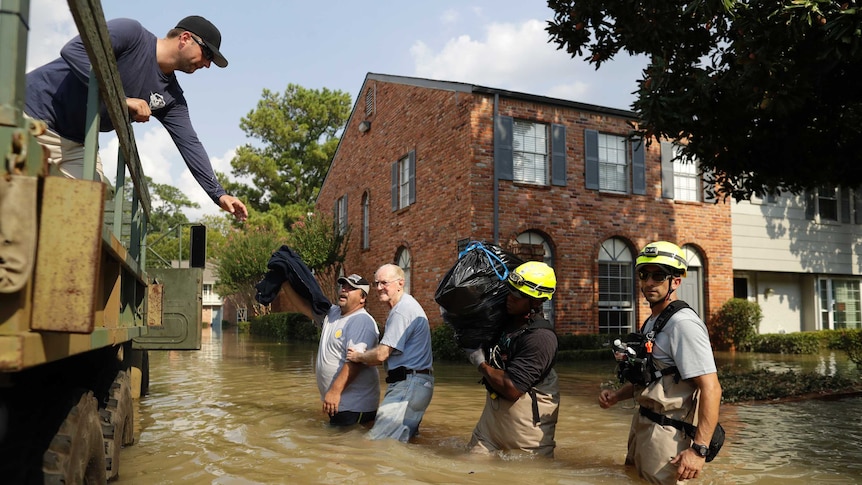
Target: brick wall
451, 132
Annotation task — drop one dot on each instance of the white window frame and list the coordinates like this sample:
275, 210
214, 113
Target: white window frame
614, 163
341, 215
366, 209
831, 291
615, 254
686, 178
530, 147
405, 261
404, 182
828, 204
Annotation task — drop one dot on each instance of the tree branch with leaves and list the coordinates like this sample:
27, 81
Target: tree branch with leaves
763, 94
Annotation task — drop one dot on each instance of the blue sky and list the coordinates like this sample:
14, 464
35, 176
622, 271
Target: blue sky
269, 44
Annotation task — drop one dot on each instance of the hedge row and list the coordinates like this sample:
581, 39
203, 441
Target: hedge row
295, 326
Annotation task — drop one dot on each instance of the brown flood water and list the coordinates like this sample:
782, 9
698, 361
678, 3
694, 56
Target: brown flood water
247, 411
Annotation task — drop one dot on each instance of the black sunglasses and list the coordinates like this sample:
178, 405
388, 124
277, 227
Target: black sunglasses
657, 276
208, 53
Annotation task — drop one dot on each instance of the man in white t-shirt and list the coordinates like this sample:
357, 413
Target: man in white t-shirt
350, 392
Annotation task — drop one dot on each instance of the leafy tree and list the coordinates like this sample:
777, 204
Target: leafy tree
761, 93
322, 248
241, 262
166, 219
297, 131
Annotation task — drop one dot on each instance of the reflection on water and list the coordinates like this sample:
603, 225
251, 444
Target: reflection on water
245, 411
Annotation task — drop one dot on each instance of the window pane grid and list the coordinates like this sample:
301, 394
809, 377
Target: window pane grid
615, 297
404, 182
613, 163
530, 152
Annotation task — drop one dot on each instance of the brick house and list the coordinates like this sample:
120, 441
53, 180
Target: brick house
425, 166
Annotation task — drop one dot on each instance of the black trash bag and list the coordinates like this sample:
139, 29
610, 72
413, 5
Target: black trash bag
473, 293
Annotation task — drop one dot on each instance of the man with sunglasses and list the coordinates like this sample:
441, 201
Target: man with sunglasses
683, 391
523, 398
57, 94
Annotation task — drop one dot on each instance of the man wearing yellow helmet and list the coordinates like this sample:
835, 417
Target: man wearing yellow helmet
682, 389
523, 397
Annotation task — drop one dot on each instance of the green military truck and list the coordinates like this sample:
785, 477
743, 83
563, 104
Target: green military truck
78, 307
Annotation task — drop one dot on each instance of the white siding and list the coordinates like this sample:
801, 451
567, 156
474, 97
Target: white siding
778, 237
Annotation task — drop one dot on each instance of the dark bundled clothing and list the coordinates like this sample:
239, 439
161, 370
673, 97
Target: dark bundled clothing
286, 266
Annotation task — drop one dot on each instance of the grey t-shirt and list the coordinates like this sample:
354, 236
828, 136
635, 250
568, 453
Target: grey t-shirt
684, 342
337, 334
409, 334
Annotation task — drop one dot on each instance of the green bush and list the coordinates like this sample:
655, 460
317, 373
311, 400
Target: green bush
735, 324
243, 327
285, 326
766, 385
444, 346
786, 343
850, 341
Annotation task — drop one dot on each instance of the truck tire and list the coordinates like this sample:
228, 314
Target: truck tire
76, 453
117, 425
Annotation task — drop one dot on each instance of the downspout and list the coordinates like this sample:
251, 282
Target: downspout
496, 179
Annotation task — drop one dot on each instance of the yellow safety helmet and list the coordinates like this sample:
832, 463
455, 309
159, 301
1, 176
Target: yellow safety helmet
666, 254
534, 279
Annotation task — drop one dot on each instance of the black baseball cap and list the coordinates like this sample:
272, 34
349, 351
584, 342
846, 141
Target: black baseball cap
208, 33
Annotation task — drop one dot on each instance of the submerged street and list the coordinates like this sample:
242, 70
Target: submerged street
244, 410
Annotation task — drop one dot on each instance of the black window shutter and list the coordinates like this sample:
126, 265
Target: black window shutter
844, 194
591, 159
857, 204
667, 170
394, 188
344, 212
638, 166
503, 147
558, 155
411, 159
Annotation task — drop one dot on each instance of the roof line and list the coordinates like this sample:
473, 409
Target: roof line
472, 88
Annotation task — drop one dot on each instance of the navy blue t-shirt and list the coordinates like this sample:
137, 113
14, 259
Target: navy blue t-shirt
57, 94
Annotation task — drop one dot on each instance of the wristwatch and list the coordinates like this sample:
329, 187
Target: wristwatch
701, 450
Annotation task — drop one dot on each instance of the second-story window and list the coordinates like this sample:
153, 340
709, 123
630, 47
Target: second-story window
530, 152
613, 163
404, 181
341, 214
680, 177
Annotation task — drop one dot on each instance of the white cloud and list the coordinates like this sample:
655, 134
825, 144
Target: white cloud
189, 186
518, 57
51, 26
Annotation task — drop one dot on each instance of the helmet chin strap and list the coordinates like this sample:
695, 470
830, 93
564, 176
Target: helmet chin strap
670, 290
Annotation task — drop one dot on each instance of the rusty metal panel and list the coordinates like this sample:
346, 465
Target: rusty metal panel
181, 311
155, 301
69, 255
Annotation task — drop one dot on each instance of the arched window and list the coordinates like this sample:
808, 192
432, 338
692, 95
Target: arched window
616, 287
404, 262
532, 246
365, 207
